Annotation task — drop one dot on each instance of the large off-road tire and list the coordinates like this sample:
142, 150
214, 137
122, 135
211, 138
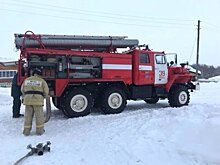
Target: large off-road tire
62, 106
113, 101
178, 96
153, 100
56, 102
77, 102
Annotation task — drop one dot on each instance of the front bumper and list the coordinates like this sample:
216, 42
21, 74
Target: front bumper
194, 85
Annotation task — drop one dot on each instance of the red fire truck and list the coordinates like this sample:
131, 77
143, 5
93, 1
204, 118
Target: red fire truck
84, 72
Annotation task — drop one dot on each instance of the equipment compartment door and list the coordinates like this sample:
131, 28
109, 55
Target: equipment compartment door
161, 71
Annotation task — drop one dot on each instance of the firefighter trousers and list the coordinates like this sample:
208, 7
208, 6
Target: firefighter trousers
16, 106
30, 110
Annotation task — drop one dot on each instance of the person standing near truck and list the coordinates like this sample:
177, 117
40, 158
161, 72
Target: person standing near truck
34, 89
16, 94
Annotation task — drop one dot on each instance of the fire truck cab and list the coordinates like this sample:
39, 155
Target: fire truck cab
84, 72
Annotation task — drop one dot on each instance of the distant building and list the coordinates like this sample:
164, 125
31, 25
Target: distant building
7, 72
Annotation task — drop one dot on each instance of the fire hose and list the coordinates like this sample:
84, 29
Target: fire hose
39, 150
48, 110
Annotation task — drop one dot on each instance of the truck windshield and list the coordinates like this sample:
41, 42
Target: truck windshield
171, 58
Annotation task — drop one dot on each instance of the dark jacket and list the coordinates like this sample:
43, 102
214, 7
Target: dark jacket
15, 89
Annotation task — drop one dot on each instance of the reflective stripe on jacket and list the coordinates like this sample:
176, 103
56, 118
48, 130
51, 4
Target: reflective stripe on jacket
34, 84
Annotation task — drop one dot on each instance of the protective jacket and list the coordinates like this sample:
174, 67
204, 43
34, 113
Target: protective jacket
34, 90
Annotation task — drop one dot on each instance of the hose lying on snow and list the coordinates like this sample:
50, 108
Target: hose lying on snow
39, 150
48, 110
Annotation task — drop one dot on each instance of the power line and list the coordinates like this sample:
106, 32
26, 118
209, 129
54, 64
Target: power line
194, 43
211, 27
90, 20
101, 14
90, 14
211, 24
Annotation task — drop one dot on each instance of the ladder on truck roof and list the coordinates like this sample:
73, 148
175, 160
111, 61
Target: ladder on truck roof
82, 42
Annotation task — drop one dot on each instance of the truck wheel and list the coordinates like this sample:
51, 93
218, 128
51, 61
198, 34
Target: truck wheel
153, 100
178, 96
78, 102
62, 107
113, 101
56, 102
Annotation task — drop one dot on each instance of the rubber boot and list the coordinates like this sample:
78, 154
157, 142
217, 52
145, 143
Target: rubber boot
26, 132
40, 131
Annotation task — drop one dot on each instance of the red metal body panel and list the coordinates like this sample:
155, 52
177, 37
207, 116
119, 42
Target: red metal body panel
117, 67
143, 76
60, 86
178, 75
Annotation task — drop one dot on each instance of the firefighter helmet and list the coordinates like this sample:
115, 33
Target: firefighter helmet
37, 71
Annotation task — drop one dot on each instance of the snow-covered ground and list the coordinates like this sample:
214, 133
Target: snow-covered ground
141, 135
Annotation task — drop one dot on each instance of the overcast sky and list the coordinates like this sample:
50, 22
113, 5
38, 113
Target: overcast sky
166, 25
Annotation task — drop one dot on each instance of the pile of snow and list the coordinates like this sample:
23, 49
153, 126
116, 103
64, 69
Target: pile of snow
142, 134
193, 70
216, 78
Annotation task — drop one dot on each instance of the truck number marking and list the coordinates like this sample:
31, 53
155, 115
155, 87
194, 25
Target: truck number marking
161, 74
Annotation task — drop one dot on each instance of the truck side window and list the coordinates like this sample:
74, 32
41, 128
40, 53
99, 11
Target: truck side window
160, 59
144, 58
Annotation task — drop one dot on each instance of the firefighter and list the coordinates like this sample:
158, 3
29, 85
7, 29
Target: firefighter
34, 90
16, 94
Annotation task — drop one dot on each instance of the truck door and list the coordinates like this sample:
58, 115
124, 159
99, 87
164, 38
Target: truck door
161, 70
145, 70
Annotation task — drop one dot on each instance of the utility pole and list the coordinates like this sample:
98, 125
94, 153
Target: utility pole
197, 52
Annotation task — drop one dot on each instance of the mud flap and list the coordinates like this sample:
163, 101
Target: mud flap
48, 110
